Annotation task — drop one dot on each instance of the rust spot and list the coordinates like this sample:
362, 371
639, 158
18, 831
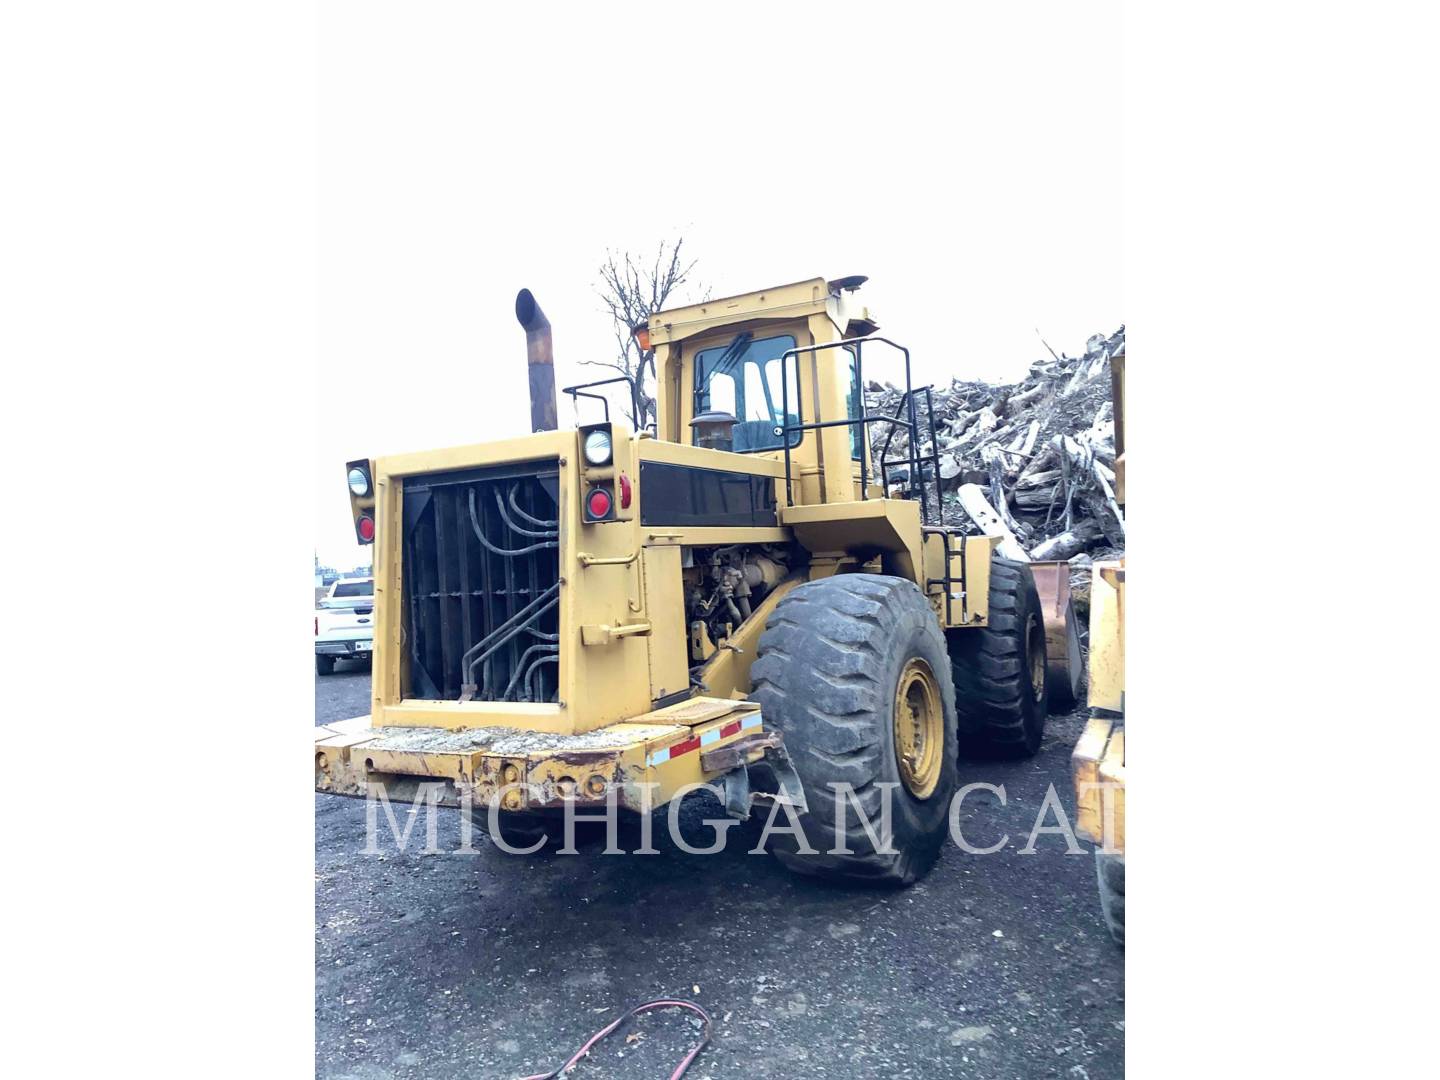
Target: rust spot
583, 758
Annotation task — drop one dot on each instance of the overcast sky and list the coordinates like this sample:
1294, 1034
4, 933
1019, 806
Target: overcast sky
966, 160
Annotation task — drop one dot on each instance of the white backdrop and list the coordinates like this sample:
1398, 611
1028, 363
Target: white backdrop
967, 160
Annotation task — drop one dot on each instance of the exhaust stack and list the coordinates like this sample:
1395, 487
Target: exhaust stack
540, 352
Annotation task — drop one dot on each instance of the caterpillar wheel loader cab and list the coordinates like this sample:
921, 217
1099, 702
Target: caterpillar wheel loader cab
735, 598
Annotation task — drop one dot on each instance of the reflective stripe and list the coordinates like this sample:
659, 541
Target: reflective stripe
705, 738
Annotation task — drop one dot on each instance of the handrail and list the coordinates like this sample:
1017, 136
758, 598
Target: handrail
910, 422
584, 558
578, 391
947, 579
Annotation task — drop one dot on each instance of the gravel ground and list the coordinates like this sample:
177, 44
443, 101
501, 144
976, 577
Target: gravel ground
486, 965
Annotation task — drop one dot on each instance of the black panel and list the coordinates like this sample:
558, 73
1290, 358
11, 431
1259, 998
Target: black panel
685, 495
481, 558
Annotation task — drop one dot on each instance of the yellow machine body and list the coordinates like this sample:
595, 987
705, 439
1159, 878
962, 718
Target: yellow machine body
1099, 757
625, 684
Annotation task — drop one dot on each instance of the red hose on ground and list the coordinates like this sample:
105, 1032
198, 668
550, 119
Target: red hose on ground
636, 1011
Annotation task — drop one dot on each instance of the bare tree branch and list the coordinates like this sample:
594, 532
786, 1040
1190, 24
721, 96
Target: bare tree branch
632, 291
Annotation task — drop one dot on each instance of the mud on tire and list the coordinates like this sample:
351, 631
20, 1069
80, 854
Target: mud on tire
1000, 709
826, 675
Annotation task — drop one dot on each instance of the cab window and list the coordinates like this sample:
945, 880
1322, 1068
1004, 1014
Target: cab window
745, 379
855, 405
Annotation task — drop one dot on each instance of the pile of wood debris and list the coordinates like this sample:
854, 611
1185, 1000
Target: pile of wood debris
1031, 462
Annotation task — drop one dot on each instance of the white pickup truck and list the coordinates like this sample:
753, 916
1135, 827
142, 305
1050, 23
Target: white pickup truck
344, 623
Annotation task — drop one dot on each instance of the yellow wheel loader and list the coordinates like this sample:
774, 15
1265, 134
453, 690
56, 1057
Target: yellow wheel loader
734, 597
1099, 757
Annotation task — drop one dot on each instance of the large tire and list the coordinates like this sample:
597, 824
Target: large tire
827, 674
324, 665
1110, 872
999, 670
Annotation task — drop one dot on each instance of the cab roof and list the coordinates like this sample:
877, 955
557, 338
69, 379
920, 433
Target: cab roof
799, 299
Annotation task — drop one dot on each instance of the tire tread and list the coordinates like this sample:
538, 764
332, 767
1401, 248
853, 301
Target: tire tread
822, 675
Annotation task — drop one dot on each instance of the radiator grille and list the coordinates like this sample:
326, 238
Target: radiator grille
481, 555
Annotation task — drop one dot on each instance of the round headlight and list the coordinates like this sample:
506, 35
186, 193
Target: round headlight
359, 482
597, 447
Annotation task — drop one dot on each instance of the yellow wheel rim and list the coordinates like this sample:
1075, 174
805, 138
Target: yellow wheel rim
919, 729
1035, 643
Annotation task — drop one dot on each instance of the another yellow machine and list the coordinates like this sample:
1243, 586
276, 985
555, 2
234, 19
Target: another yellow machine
1099, 757
732, 598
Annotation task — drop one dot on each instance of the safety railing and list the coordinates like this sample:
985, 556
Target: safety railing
906, 416
579, 390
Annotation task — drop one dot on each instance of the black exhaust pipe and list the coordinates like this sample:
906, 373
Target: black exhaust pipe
540, 352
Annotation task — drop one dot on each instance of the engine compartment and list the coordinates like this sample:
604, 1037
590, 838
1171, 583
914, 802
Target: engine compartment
722, 587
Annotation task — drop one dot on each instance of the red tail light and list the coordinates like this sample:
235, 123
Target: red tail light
598, 504
365, 529
624, 492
